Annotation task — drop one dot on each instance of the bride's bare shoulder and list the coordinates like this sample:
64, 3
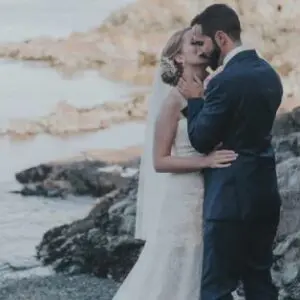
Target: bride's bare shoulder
174, 99
169, 112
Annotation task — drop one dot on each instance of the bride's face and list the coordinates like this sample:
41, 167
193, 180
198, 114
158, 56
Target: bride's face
207, 47
189, 52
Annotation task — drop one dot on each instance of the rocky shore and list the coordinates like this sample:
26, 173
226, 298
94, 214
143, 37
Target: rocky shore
103, 244
104, 239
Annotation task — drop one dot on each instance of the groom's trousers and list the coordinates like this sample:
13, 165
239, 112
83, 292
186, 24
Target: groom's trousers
235, 251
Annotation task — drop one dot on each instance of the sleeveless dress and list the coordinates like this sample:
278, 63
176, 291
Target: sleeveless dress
169, 266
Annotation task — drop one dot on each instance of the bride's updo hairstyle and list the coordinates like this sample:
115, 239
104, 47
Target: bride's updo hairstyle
171, 70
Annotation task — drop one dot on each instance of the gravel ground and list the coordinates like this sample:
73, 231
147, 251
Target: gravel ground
58, 287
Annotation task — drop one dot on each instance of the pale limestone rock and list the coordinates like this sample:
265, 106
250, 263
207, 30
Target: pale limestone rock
67, 119
128, 45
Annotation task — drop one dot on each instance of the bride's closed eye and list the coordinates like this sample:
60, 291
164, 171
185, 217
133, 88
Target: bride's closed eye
197, 43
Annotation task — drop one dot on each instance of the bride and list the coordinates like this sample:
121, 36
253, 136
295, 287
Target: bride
169, 213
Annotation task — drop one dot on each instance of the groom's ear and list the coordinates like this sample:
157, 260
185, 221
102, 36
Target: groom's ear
221, 38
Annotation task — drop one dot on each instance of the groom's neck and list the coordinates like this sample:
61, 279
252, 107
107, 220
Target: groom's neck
229, 47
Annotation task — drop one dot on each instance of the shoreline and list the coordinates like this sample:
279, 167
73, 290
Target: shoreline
108, 155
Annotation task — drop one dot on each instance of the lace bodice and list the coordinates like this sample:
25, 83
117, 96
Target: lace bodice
182, 145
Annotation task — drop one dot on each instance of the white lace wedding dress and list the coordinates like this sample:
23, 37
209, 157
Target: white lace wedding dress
169, 267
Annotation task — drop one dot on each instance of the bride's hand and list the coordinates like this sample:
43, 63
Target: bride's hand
190, 86
221, 158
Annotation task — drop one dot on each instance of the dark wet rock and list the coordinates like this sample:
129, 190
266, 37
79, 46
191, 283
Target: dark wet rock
84, 178
34, 174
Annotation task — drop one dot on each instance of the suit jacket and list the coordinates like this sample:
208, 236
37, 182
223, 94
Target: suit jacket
239, 109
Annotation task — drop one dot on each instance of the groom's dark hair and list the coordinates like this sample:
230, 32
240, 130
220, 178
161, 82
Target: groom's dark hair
219, 17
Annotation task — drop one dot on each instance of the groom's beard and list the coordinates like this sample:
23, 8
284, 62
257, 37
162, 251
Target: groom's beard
214, 58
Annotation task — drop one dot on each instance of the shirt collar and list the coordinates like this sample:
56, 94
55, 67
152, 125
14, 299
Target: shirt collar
232, 53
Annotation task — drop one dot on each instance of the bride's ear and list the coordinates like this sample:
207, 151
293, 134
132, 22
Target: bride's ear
179, 59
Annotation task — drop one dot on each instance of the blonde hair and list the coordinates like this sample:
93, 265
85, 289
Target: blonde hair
171, 70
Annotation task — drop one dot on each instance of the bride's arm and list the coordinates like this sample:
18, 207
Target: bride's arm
164, 135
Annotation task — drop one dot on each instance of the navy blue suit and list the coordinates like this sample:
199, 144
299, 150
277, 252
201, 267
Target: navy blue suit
242, 203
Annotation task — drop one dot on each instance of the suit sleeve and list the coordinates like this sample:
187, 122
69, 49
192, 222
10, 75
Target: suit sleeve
195, 105
208, 119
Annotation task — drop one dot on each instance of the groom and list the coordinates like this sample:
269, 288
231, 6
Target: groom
242, 203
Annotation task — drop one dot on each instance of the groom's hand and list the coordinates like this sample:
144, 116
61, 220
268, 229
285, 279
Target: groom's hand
190, 87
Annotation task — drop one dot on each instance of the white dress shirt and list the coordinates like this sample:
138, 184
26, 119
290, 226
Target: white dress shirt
234, 52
